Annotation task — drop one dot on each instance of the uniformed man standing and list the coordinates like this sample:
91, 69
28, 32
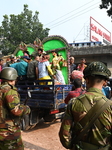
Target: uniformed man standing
11, 111
87, 124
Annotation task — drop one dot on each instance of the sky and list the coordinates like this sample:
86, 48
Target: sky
67, 18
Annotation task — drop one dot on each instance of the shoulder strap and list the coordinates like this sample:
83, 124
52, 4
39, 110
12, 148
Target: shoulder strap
94, 115
91, 110
85, 102
81, 92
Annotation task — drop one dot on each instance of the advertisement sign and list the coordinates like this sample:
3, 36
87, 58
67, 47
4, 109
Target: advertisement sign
99, 33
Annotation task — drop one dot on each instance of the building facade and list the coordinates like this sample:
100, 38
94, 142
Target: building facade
96, 53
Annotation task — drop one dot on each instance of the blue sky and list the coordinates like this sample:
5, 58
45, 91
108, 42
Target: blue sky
68, 18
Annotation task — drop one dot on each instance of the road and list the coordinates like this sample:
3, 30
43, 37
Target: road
43, 137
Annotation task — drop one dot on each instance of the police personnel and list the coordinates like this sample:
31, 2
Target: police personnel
99, 135
10, 111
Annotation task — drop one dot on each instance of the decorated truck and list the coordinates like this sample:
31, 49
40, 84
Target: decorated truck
46, 101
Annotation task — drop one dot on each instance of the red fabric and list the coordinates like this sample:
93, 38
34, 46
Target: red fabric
81, 67
0, 71
76, 74
77, 92
0, 67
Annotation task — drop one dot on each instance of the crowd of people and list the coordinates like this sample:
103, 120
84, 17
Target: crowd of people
37, 67
89, 87
106, 89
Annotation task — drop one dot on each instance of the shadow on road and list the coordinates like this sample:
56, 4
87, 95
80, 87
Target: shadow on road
29, 146
42, 125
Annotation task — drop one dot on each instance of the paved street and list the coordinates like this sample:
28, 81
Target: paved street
43, 137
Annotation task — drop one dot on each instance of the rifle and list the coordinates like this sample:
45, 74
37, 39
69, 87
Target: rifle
27, 97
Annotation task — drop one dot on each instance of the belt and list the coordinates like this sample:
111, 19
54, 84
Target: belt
6, 124
22, 77
3, 125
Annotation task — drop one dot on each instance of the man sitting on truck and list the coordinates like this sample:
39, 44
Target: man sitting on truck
44, 69
21, 68
32, 71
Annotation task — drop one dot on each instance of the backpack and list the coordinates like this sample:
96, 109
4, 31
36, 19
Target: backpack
91, 116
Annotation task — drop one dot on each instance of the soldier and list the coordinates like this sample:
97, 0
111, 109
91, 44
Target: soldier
98, 134
11, 111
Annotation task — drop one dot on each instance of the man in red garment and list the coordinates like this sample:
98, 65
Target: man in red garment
77, 90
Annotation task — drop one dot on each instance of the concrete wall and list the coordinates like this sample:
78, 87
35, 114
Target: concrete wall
100, 53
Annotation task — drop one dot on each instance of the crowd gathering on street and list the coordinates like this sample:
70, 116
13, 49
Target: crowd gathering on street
90, 93
36, 67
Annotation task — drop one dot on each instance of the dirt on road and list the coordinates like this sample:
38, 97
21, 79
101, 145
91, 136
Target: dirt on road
43, 137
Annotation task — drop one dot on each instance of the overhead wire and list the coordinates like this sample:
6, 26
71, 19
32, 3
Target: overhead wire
61, 22
69, 12
73, 16
79, 32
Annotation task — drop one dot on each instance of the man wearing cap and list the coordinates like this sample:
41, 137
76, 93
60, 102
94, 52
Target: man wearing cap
21, 68
12, 60
78, 129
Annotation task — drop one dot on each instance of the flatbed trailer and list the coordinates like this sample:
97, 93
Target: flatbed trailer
45, 101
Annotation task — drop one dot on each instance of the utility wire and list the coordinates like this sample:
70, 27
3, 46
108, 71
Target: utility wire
72, 17
79, 32
69, 13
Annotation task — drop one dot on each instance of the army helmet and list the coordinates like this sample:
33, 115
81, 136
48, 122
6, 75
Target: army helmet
97, 68
8, 73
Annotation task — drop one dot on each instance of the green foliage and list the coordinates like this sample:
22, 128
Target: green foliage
23, 27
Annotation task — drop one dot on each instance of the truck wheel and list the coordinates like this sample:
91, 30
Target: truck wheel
25, 123
49, 118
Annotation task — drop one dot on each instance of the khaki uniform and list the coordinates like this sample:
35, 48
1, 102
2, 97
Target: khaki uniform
11, 112
96, 137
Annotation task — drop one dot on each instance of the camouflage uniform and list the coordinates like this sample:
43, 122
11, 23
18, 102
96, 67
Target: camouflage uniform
98, 137
11, 112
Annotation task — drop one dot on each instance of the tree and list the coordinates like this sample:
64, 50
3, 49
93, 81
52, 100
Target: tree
107, 4
20, 28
